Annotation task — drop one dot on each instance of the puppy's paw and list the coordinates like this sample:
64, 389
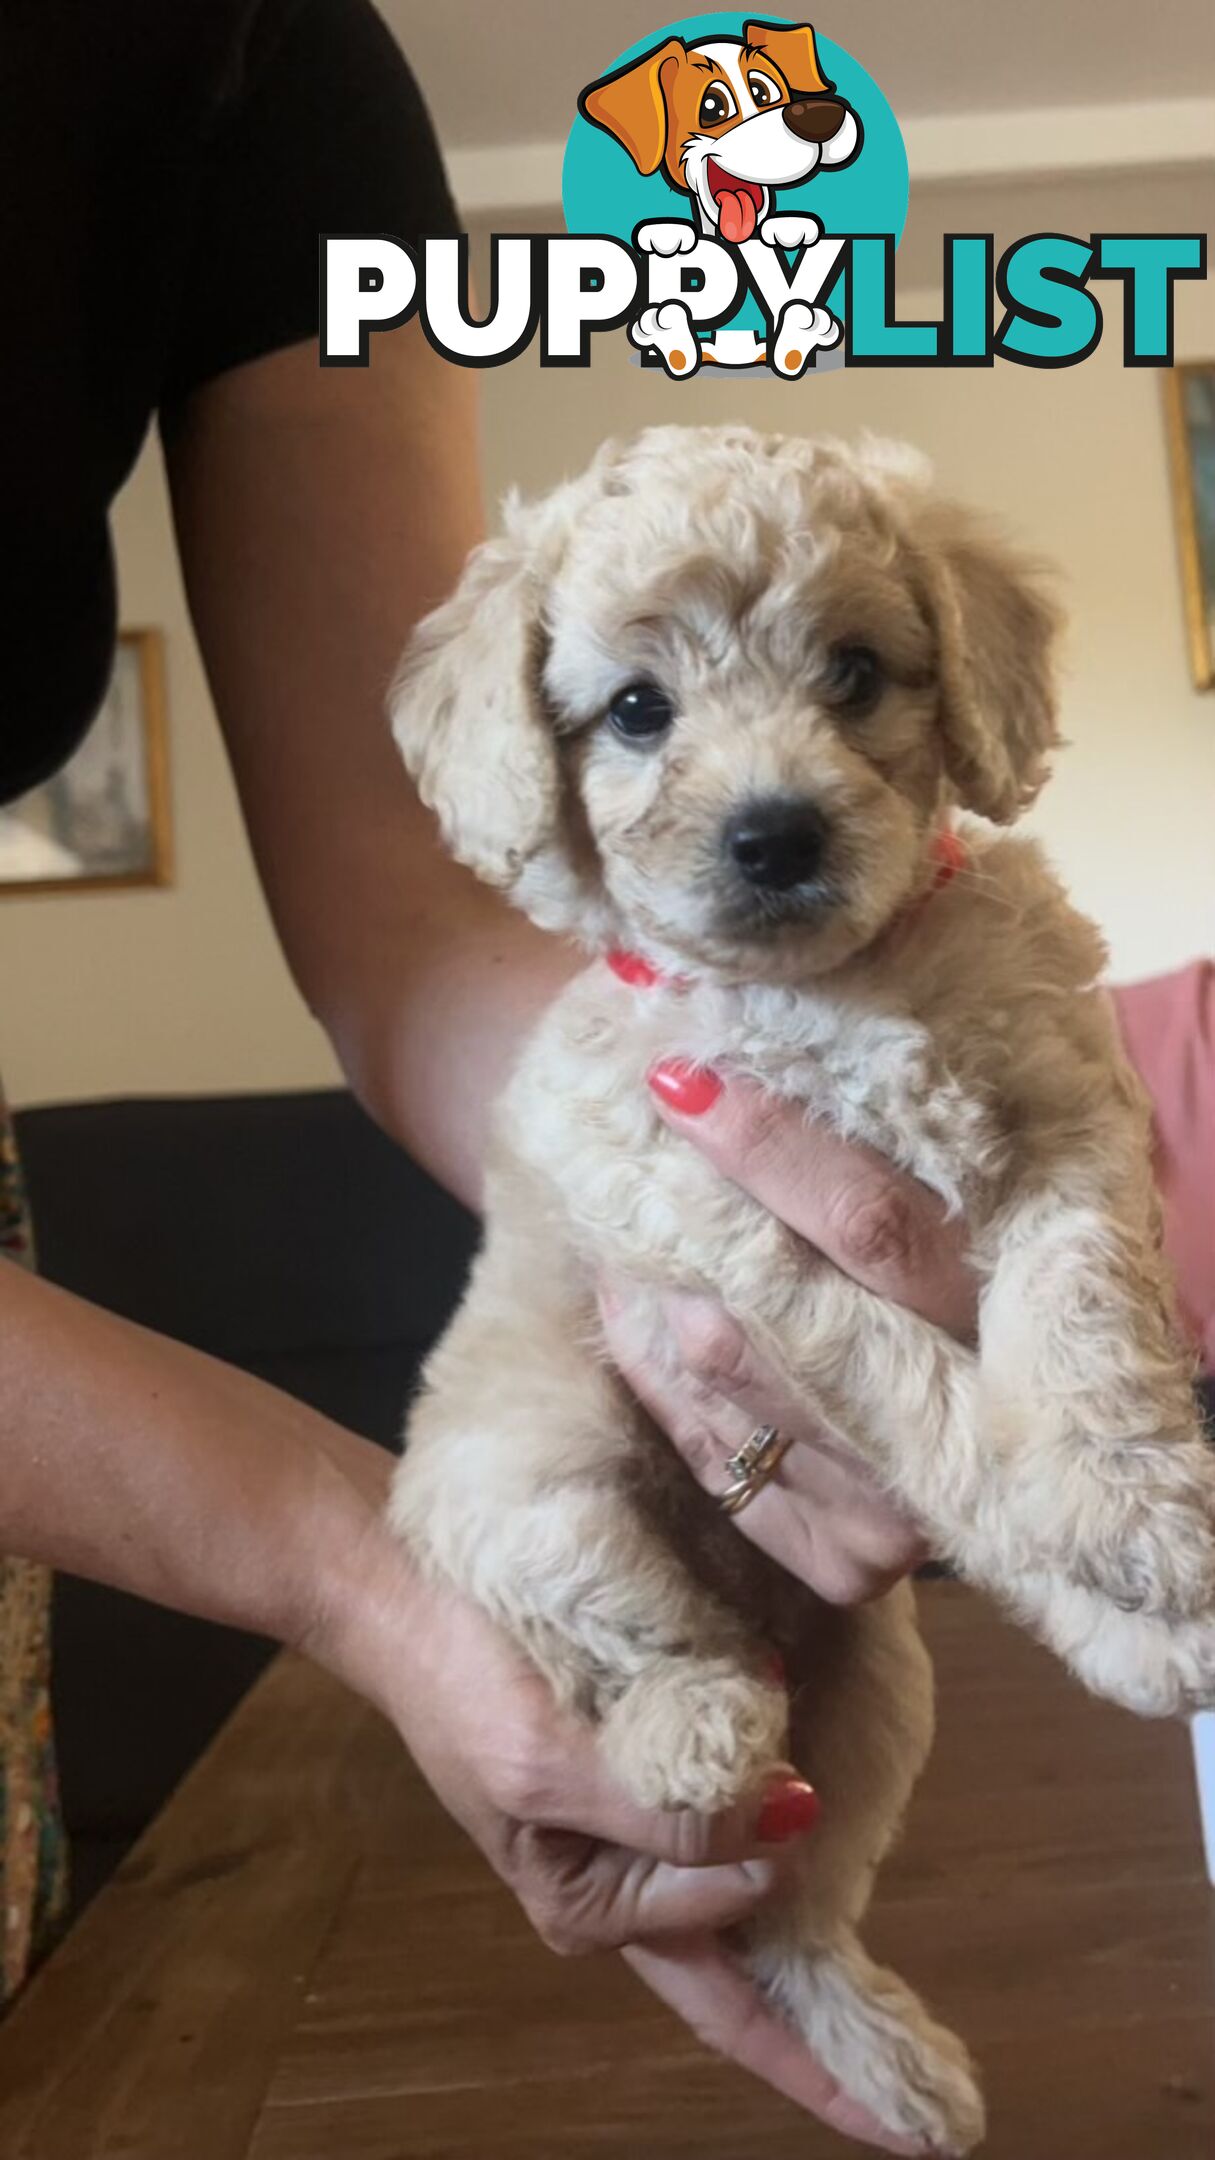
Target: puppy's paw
695, 1733
1162, 1563
938, 2100
1146, 1540
1147, 1664
879, 2043
921, 2083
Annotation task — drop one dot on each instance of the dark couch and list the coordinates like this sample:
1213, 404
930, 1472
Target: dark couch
287, 1235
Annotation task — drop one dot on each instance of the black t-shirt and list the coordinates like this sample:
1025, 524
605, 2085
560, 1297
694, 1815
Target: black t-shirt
169, 165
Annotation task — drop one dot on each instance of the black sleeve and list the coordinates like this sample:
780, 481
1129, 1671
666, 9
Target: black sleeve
322, 129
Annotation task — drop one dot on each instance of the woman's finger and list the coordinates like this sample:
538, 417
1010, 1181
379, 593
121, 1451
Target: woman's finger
583, 1896
824, 1518
726, 2011
878, 1225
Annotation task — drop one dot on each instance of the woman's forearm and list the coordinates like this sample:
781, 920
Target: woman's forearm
139, 1463
428, 1028
319, 517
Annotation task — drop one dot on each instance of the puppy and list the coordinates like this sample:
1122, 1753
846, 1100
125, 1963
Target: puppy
718, 703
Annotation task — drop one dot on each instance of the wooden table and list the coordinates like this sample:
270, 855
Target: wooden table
303, 1960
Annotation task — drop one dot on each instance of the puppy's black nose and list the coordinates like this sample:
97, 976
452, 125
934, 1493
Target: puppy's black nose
777, 843
814, 119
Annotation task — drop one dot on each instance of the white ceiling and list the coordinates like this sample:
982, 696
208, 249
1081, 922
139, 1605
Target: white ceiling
509, 71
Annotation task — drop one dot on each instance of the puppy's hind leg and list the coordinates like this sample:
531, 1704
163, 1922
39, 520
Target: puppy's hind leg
862, 1728
523, 1495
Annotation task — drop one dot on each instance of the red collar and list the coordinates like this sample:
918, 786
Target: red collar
947, 853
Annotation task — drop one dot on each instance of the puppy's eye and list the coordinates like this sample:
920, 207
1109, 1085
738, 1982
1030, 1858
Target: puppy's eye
855, 678
641, 713
763, 89
716, 105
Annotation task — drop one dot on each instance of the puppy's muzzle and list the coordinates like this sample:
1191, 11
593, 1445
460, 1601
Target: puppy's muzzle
815, 119
776, 843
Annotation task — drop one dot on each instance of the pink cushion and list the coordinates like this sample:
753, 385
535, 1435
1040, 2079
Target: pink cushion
1168, 1026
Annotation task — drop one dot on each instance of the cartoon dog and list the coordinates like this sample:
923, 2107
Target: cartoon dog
728, 121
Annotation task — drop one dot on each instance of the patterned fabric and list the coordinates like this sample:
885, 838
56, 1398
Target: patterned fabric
33, 1850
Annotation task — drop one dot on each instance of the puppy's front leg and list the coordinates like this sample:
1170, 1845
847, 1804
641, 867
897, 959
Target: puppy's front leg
1019, 1475
1087, 1393
519, 1483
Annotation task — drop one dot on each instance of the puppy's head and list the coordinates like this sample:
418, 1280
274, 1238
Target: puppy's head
713, 697
728, 119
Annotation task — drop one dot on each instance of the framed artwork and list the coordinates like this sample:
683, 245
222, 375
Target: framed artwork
102, 823
1189, 391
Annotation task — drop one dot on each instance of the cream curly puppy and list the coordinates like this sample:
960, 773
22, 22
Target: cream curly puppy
715, 703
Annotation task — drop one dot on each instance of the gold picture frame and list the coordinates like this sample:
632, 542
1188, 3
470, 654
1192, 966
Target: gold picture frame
1189, 404
102, 824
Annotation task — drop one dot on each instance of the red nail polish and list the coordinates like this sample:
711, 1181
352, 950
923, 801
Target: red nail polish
632, 967
690, 1089
790, 1809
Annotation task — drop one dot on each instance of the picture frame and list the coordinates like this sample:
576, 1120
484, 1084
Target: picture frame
1189, 395
103, 823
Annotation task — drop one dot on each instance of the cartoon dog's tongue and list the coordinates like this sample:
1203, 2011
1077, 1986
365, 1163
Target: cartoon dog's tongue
736, 213
739, 203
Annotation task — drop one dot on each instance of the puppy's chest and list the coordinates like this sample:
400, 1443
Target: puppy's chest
579, 1110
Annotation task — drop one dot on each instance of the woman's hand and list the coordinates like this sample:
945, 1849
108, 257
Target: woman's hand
825, 1517
592, 1870
138, 1462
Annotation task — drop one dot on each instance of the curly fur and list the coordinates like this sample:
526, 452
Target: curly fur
1057, 1463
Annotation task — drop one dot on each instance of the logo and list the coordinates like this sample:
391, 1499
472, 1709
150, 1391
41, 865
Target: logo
761, 139
734, 193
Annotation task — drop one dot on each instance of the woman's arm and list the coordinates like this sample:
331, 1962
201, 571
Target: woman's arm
137, 1462
320, 512
133, 1460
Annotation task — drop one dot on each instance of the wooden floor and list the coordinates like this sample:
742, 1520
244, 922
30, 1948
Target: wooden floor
304, 1961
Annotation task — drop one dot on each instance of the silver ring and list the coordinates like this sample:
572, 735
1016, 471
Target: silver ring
753, 1466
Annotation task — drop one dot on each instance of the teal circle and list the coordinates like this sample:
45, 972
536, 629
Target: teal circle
603, 192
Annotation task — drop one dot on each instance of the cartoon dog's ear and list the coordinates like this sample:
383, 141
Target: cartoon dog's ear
794, 51
996, 630
632, 104
468, 712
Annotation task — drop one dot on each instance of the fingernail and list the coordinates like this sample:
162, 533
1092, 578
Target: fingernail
690, 1089
631, 968
791, 1808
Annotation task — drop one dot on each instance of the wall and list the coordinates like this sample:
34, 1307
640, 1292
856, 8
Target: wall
185, 990
175, 991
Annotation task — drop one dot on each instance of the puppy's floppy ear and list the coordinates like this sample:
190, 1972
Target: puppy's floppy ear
468, 715
997, 629
632, 104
